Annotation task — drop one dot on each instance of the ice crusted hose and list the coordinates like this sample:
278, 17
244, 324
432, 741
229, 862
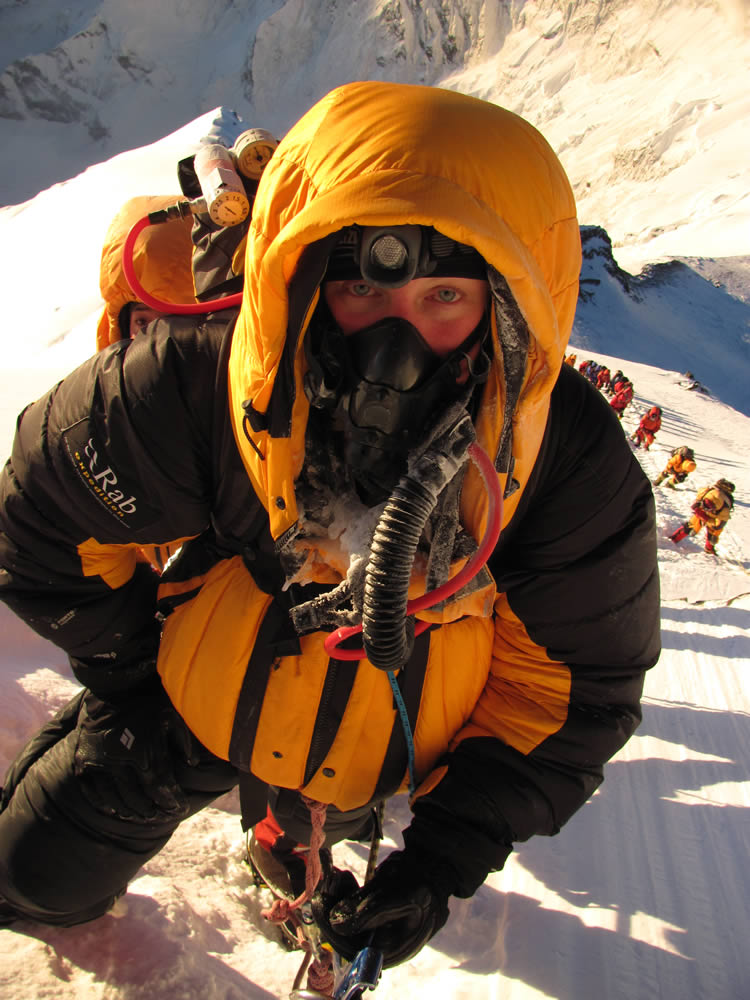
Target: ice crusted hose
386, 590
386, 632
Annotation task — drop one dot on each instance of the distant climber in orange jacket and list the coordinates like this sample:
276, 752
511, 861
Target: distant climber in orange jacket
679, 466
622, 397
713, 508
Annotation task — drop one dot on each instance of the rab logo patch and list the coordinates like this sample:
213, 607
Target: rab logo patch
103, 481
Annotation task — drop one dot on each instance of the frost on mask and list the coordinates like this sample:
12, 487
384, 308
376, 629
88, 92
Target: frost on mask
335, 527
331, 545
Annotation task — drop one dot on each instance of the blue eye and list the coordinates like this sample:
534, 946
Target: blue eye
360, 288
447, 294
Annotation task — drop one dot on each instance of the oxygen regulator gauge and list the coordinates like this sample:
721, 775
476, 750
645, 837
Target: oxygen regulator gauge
226, 200
252, 151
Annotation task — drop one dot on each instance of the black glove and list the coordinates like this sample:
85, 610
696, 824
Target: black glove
397, 911
125, 755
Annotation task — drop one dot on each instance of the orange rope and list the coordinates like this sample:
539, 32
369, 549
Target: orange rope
320, 968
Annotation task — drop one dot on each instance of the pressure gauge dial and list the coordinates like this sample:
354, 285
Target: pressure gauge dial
252, 151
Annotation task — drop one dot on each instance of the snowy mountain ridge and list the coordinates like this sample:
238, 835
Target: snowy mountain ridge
81, 84
669, 316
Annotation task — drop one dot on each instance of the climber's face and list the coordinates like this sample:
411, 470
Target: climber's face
399, 337
140, 317
444, 310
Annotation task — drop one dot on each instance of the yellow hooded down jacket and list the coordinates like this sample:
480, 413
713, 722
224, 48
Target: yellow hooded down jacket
521, 690
379, 154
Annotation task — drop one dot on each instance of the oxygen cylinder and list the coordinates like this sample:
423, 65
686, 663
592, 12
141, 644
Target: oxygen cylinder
226, 200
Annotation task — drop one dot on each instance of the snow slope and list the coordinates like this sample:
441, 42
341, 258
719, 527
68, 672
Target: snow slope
642, 895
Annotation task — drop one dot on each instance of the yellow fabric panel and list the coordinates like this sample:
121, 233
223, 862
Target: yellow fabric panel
458, 670
205, 648
351, 768
115, 564
288, 715
357, 755
527, 695
456, 674
161, 257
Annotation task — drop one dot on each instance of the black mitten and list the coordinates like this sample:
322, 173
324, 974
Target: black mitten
397, 911
125, 755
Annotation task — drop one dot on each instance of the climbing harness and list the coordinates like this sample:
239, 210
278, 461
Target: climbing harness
328, 976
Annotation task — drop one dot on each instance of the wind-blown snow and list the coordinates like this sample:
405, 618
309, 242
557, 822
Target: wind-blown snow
644, 893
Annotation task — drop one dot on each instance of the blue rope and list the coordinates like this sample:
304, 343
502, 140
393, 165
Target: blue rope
405, 725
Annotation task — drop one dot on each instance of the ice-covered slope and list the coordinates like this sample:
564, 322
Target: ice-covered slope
642, 895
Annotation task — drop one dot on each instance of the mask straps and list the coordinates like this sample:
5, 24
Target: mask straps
477, 368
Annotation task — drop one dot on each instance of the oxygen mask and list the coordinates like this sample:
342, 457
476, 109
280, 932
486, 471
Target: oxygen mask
385, 388
384, 385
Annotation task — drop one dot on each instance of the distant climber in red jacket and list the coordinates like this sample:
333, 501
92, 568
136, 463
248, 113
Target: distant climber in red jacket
622, 397
647, 428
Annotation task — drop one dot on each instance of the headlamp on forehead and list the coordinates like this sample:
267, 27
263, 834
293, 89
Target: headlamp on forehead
391, 256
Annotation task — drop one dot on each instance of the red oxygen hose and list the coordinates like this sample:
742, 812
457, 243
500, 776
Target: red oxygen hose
173, 308
452, 586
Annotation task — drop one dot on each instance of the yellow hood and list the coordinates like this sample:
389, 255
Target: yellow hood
384, 154
162, 257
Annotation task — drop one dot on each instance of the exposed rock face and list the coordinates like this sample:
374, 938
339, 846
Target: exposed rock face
262, 57
596, 247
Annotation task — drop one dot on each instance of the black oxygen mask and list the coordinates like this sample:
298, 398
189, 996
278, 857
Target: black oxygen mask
385, 387
395, 389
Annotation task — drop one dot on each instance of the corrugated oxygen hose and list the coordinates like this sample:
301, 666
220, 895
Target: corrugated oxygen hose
387, 640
